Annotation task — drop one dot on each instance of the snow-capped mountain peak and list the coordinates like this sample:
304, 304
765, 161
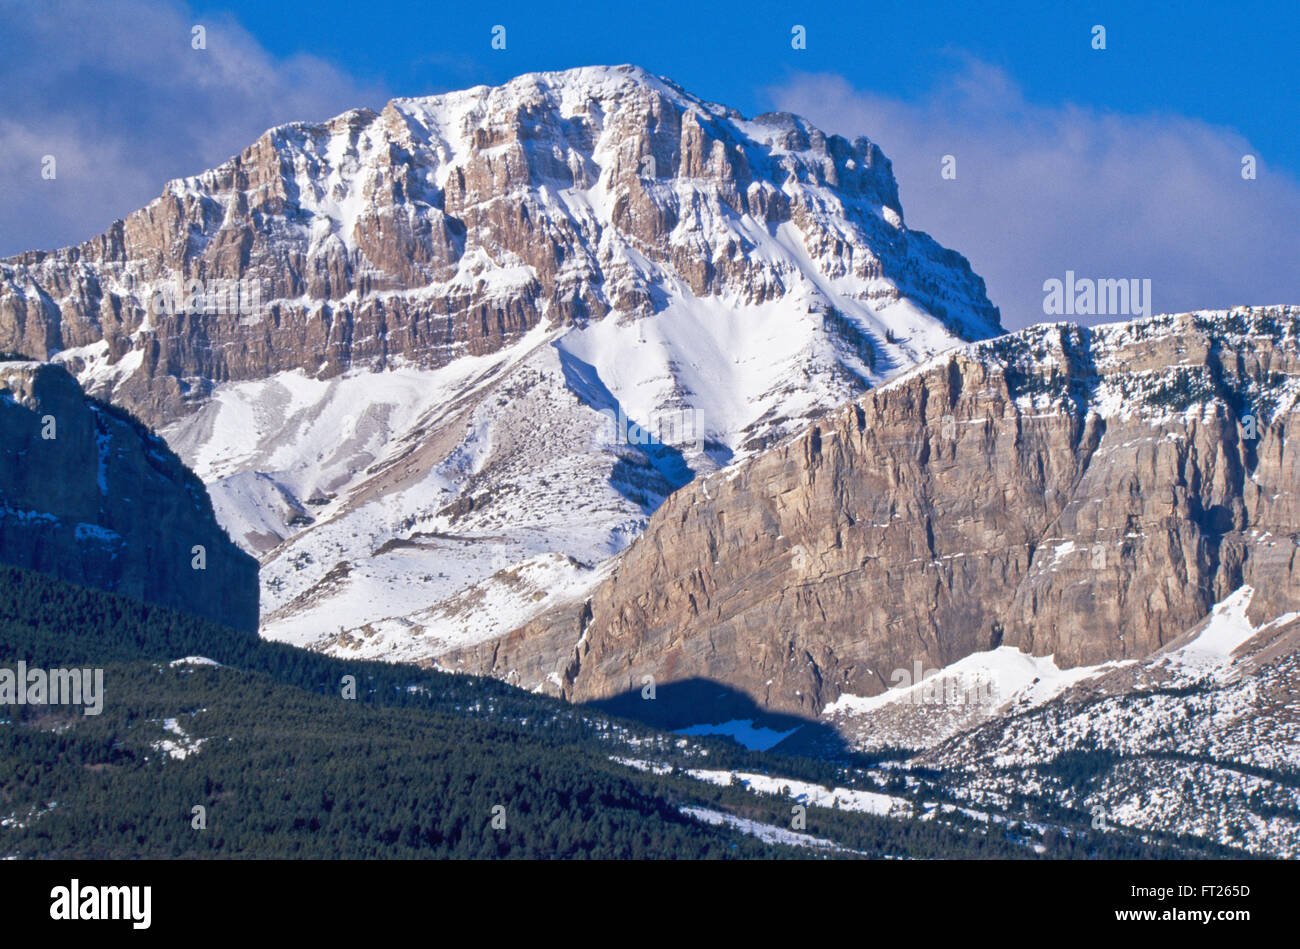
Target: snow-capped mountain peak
489, 328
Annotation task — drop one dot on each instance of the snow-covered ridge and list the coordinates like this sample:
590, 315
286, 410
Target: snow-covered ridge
1044, 349
1199, 738
636, 184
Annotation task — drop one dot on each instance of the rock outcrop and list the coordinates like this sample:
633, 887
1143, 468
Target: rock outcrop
450, 225
393, 339
1084, 493
89, 495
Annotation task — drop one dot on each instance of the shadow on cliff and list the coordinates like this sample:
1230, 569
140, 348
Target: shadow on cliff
706, 707
647, 467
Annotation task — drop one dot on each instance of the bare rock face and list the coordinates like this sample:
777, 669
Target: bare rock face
1084, 493
390, 343
89, 495
451, 225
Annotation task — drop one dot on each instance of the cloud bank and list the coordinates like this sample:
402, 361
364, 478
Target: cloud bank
1042, 190
120, 98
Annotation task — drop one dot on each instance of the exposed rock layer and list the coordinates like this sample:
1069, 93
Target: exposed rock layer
450, 225
1088, 493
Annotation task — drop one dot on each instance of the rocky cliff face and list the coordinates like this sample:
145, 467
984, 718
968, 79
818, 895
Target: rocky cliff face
450, 225
392, 344
89, 495
1084, 493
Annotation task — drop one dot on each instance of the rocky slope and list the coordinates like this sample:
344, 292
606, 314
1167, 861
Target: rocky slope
1199, 741
386, 341
1083, 494
1202, 738
89, 495
452, 224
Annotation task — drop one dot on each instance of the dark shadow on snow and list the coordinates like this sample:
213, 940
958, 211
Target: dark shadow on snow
690, 702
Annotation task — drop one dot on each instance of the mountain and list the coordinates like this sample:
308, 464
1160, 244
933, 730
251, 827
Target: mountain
477, 338
89, 494
1074, 496
592, 387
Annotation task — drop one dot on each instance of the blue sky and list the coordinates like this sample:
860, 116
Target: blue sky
1236, 69
1122, 162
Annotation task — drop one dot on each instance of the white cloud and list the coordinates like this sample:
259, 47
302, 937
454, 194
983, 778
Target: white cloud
117, 95
1042, 189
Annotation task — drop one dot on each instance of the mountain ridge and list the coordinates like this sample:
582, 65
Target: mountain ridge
443, 303
89, 494
909, 503
303, 211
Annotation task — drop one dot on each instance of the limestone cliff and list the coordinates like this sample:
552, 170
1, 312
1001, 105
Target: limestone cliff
1087, 493
449, 225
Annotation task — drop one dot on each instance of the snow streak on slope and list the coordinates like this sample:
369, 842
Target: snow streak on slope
931, 705
1208, 651
768, 833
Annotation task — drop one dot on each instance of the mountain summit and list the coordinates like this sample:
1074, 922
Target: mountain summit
445, 340
450, 225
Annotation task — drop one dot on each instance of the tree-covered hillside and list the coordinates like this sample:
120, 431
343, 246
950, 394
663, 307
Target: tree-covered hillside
264, 746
